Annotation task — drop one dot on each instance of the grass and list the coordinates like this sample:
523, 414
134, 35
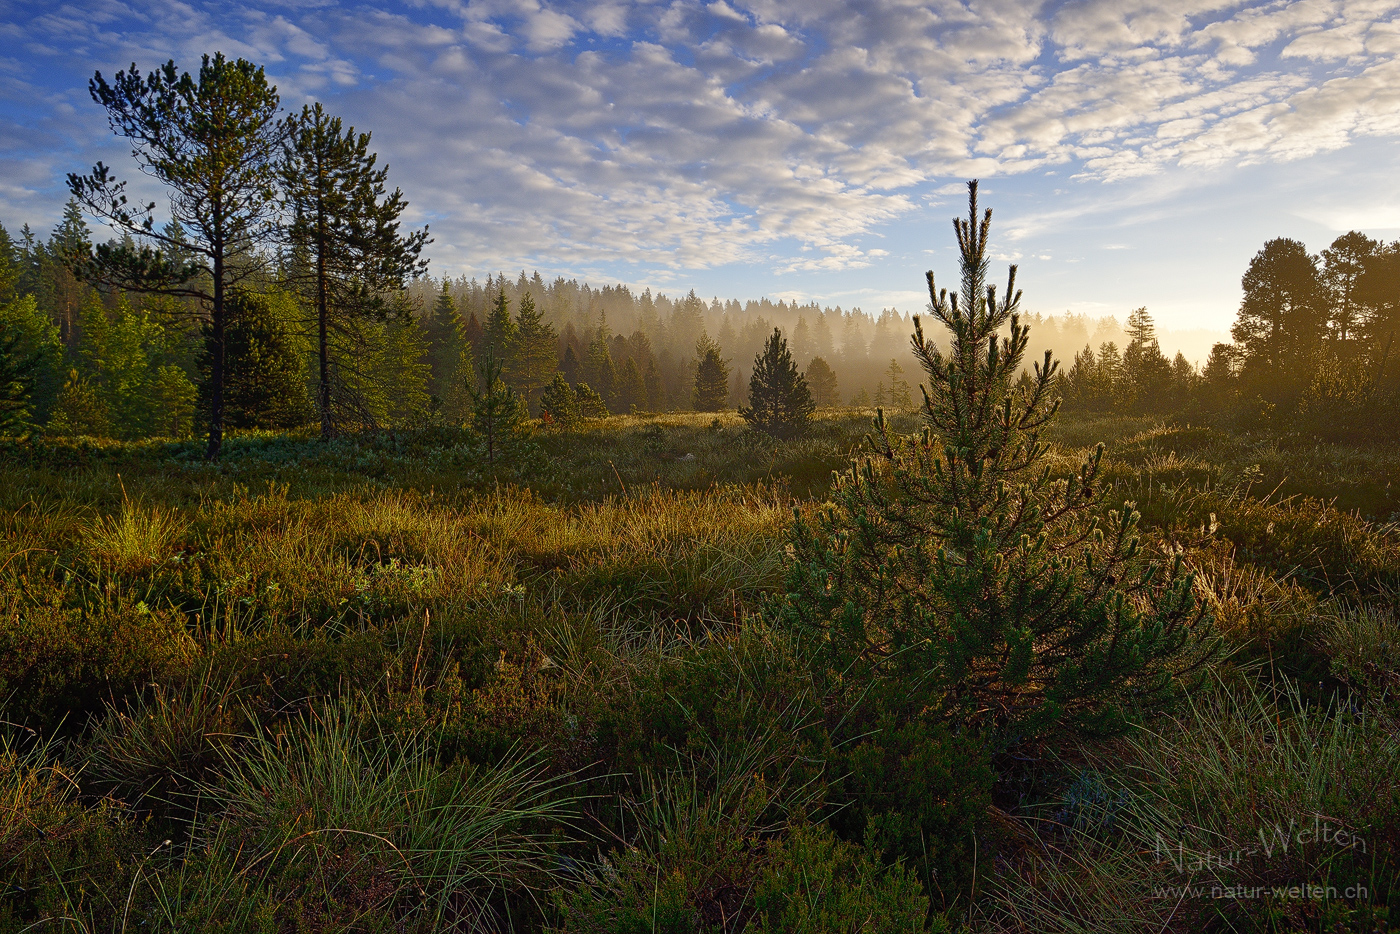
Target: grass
369, 685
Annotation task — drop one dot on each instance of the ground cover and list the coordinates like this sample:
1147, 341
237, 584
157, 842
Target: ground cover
371, 685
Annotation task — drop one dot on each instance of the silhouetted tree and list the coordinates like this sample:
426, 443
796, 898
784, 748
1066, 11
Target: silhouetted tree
822, 381
780, 403
711, 377
1281, 321
1343, 264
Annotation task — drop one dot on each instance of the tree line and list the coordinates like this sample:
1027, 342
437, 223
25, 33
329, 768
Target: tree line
1313, 346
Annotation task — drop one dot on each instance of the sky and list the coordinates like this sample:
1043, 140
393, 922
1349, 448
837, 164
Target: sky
1135, 152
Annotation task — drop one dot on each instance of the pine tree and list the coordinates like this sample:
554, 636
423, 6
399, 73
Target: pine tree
1141, 330
500, 332
265, 383
656, 393
79, 410
711, 377
1282, 320
590, 403
571, 366
631, 387
900, 398
954, 580
37, 341
559, 403
822, 380
9, 267
345, 222
1147, 374
1344, 263
780, 403
213, 140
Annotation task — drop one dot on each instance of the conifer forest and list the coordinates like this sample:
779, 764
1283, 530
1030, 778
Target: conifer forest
340, 594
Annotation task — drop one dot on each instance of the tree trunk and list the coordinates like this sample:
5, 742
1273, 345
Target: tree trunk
323, 396
215, 347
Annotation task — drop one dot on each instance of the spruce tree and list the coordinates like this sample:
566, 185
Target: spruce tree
537, 350
448, 357
631, 387
711, 377
499, 334
954, 580
498, 414
17, 371
9, 266
780, 403
265, 383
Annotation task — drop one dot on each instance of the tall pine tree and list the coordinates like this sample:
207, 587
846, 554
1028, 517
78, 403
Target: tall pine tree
213, 140
345, 223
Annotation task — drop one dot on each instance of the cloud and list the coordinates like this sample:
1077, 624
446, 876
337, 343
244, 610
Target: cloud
701, 133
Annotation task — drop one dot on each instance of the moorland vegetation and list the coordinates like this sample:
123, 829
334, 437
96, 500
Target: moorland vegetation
462, 631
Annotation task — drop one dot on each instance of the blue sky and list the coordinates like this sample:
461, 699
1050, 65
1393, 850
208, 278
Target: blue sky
1135, 152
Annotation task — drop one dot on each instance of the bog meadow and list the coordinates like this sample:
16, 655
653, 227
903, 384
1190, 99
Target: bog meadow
338, 597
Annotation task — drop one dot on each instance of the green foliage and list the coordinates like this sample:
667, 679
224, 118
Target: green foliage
499, 416
814, 882
129, 357
711, 879
264, 382
779, 401
536, 353
17, 377
1282, 320
448, 356
80, 410
345, 226
711, 378
213, 140
953, 565
32, 373
915, 792
590, 403
559, 403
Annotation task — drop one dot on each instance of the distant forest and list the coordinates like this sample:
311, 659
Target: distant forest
1312, 343
1314, 335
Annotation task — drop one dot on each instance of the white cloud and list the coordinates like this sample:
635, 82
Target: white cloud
692, 133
